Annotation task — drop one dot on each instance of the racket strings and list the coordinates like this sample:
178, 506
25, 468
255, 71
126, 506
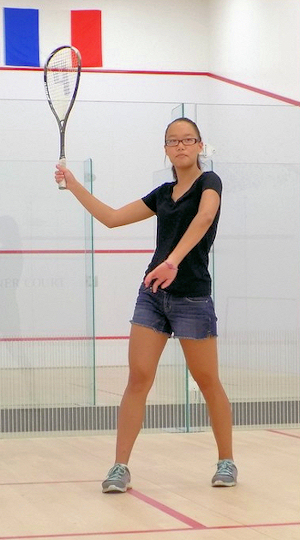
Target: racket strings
61, 79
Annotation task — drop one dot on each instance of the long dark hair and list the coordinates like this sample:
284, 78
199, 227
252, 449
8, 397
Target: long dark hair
189, 121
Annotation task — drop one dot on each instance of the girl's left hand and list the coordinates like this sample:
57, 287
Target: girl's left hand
162, 276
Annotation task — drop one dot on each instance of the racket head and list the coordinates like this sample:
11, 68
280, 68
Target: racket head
61, 80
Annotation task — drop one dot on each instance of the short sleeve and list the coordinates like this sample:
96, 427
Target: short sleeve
157, 194
212, 181
151, 200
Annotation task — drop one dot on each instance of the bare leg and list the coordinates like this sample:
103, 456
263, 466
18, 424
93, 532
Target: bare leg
202, 360
145, 348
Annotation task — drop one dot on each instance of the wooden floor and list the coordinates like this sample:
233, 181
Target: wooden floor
50, 489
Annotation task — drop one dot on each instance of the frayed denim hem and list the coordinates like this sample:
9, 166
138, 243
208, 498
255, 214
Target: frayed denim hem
151, 328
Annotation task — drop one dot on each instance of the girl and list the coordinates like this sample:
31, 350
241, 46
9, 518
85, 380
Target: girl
174, 298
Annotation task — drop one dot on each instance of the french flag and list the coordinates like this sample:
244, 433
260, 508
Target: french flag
30, 35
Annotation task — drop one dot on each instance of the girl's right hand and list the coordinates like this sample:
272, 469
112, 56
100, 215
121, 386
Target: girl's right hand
162, 276
64, 174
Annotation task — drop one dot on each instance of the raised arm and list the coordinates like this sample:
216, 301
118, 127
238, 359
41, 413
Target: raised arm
110, 217
164, 274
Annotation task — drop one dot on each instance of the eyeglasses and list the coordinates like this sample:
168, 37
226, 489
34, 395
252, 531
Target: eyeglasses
187, 142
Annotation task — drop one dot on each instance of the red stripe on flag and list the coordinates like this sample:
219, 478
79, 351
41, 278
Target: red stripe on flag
86, 36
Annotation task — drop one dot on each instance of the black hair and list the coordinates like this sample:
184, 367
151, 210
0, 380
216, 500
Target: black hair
189, 121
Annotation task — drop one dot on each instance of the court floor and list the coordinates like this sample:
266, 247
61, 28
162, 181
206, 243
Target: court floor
51, 488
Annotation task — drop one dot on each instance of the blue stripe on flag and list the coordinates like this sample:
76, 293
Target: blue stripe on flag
21, 37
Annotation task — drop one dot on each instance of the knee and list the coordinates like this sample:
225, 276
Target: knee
207, 383
139, 381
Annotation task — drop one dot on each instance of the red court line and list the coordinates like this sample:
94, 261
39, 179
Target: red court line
192, 524
49, 482
283, 433
117, 71
90, 534
148, 72
252, 526
71, 251
63, 338
167, 510
44, 251
260, 91
112, 251
254, 89
111, 337
151, 531
58, 338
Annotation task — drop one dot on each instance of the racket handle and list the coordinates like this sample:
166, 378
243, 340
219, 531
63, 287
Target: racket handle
62, 184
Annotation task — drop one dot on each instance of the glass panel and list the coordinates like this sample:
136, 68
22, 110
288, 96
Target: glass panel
90, 282
257, 259
257, 291
47, 365
177, 112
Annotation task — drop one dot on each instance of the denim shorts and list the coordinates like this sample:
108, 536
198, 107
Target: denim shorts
181, 317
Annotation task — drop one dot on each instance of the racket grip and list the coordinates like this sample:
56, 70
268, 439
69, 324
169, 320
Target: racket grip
62, 184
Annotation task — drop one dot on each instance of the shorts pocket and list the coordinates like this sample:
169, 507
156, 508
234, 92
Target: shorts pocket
197, 299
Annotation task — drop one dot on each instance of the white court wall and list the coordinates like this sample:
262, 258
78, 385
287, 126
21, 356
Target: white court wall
256, 42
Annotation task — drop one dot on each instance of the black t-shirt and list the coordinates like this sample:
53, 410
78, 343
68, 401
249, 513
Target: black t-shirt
173, 219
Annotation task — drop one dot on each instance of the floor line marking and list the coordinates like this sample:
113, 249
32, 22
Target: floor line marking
167, 510
191, 523
85, 535
146, 531
283, 433
46, 482
252, 526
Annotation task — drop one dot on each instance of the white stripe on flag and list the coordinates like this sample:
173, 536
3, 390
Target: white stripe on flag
54, 31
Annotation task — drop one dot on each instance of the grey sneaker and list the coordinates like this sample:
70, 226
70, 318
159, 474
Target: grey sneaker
117, 480
226, 475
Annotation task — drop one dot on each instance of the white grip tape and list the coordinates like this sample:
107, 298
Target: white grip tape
62, 184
